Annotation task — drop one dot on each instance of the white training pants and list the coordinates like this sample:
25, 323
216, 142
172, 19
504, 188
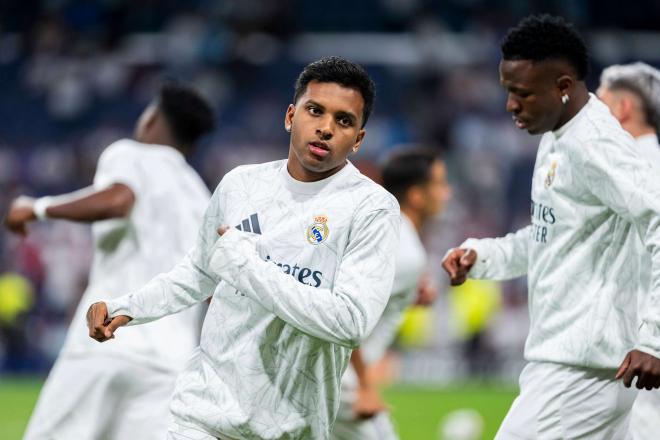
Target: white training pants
645, 416
102, 398
562, 402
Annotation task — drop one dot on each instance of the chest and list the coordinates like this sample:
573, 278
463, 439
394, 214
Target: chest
305, 236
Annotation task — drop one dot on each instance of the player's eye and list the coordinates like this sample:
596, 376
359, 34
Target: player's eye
345, 121
313, 110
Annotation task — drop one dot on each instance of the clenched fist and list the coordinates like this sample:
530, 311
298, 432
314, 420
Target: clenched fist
100, 326
458, 263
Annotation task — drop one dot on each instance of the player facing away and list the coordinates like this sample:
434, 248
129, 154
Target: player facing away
593, 198
298, 257
632, 92
145, 206
418, 180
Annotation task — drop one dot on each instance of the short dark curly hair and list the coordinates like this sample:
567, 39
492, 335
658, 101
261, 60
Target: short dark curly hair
340, 71
545, 37
189, 116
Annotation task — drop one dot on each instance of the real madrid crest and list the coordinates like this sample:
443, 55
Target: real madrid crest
551, 173
318, 231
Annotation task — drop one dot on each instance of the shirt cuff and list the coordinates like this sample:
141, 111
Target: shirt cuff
649, 339
480, 266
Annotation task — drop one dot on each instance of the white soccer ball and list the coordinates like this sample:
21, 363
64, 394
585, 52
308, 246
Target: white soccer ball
461, 424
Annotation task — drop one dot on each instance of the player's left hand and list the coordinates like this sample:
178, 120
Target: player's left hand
222, 230
20, 213
642, 365
368, 403
427, 293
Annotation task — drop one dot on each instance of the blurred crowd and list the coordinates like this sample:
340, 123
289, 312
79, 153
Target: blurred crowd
74, 76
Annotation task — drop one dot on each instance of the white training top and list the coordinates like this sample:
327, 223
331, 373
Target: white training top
649, 148
593, 197
409, 269
299, 281
170, 199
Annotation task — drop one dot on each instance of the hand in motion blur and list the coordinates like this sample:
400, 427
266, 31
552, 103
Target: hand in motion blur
101, 327
458, 263
427, 292
642, 365
368, 403
20, 213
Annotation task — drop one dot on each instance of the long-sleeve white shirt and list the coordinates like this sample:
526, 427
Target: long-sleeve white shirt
170, 199
595, 211
303, 281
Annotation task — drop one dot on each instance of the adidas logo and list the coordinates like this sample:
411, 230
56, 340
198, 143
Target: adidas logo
250, 224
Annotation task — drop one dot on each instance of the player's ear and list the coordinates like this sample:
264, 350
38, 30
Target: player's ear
288, 117
624, 108
358, 140
414, 196
565, 84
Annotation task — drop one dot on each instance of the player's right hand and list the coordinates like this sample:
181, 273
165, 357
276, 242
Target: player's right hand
100, 326
20, 213
457, 263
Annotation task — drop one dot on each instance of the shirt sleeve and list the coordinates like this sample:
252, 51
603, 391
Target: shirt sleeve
344, 314
376, 344
500, 258
188, 283
119, 163
622, 180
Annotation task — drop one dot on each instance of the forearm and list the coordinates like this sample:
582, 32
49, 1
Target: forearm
360, 367
166, 294
649, 332
339, 316
500, 258
89, 205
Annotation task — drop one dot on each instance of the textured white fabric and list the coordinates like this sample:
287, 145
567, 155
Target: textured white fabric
289, 301
409, 268
645, 417
170, 199
379, 427
593, 197
563, 402
648, 146
102, 398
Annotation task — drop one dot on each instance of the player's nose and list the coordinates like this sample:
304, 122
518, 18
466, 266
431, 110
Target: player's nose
512, 104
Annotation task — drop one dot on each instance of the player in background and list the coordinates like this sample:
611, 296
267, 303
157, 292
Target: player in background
632, 92
145, 205
418, 180
593, 197
298, 256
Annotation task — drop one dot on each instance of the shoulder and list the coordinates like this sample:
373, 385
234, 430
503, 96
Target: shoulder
600, 134
372, 196
121, 147
243, 174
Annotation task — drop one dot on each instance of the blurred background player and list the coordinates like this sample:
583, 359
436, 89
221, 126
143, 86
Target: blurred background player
593, 196
632, 92
146, 206
418, 180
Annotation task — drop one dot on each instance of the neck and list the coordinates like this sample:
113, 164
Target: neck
415, 217
637, 130
578, 99
302, 174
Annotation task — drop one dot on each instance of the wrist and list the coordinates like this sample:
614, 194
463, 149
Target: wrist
40, 206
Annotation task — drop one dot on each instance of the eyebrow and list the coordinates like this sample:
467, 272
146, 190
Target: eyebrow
340, 113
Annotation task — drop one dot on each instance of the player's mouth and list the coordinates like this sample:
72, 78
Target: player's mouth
520, 124
319, 148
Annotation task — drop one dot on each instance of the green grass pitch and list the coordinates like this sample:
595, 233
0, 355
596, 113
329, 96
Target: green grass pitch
416, 410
